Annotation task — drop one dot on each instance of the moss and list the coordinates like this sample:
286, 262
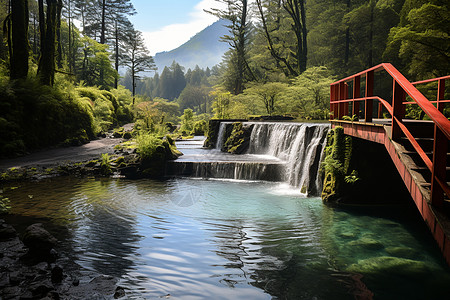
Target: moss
105, 165
336, 165
238, 140
200, 127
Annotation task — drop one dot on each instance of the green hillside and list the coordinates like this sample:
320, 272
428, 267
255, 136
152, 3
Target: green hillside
204, 49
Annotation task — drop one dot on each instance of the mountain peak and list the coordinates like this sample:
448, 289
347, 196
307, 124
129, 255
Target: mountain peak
204, 49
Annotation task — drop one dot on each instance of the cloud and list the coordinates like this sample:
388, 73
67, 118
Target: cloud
171, 36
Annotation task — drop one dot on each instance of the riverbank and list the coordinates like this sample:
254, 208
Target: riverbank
25, 275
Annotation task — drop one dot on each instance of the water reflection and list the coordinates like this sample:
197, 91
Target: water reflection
197, 239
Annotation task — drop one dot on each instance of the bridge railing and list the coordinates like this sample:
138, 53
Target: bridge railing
340, 102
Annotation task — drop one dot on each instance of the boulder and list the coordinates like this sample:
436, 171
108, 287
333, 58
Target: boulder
39, 241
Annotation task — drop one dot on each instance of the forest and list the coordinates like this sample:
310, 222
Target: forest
60, 62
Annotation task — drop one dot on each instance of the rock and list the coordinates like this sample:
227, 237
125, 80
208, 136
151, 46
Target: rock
15, 278
57, 274
367, 244
392, 266
41, 290
6, 231
76, 282
39, 241
42, 268
120, 292
404, 252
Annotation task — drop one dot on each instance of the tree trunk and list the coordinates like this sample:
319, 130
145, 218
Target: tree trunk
58, 34
19, 39
370, 55
46, 70
103, 29
116, 83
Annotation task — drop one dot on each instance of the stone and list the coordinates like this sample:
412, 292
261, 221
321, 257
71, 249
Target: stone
367, 244
57, 274
404, 252
15, 278
120, 292
76, 282
391, 266
38, 240
7, 231
41, 290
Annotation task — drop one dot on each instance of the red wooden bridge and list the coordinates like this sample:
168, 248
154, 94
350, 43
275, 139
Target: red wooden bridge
418, 148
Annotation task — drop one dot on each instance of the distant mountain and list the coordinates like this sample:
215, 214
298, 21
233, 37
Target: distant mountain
204, 49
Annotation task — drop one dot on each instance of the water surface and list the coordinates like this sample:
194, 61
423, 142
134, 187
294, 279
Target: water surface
210, 239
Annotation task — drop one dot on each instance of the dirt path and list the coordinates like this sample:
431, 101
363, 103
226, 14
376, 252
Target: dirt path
58, 156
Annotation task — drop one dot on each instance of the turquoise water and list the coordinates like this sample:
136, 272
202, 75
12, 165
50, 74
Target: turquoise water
198, 239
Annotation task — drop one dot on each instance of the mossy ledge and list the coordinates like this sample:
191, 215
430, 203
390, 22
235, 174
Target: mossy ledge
124, 162
356, 171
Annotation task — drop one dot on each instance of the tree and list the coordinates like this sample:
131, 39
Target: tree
238, 39
137, 57
274, 15
195, 97
19, 39
268, 93
96, 60
48, 23
421, 40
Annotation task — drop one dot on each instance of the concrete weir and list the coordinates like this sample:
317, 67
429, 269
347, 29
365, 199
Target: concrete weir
277, 151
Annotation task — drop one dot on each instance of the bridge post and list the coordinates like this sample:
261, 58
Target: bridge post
333, 97
438, 173
440, 95
341, 96
356, 95
398, 94
369, 93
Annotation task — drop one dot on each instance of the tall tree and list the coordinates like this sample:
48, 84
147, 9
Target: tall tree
138, 58
284, 21
238, 39
19, 39
48, 26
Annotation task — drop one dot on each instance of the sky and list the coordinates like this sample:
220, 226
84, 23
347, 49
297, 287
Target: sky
167, 24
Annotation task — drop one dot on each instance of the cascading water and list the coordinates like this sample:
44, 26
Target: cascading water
299, 145
287, 152
221, 135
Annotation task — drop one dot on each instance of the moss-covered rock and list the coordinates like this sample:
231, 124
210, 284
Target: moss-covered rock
239, 139
212, 133
391, 266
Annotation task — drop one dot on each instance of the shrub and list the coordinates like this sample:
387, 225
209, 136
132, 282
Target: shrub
200, 127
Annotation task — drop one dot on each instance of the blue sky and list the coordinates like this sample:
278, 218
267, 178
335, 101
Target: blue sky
167, 24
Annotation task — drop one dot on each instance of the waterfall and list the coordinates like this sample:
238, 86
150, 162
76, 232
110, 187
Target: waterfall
286, 152
299, 145
221, 135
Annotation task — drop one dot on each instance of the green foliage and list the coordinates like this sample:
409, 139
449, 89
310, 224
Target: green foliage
268, 93
4, 205
200, 128
421, 40
96, 68
187, 121
147, 146
105, 165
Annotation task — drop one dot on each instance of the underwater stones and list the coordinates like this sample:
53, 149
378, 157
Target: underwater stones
390, 265
39, 241
366, 243
404, 252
